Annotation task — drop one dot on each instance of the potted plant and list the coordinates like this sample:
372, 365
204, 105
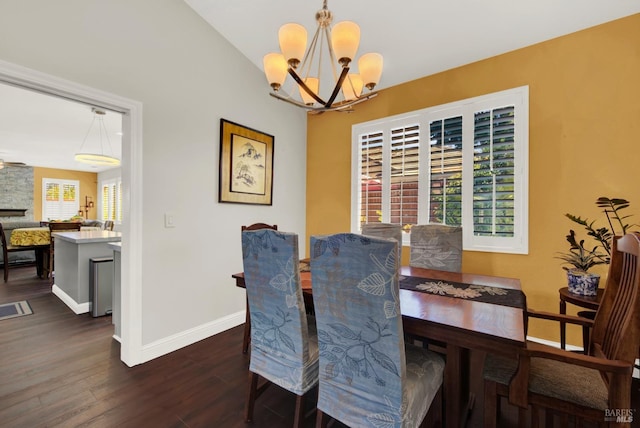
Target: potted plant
580, 280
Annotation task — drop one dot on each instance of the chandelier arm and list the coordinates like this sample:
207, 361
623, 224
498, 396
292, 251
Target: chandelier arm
304, 86
336, 89
337, 107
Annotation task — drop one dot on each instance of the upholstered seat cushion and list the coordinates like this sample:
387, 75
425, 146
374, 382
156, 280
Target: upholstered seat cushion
567, 382
421, 364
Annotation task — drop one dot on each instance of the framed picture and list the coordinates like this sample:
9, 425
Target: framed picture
246, 165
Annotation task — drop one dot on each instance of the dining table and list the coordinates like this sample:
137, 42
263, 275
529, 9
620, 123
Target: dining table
460, 311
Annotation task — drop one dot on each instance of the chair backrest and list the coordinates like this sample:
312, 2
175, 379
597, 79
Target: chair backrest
616, 328
436, 246
356, 303
67, 226
259, 226
385, 230
279, 330
108, 225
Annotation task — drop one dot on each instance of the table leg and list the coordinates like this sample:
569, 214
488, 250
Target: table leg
456, 386
563, 326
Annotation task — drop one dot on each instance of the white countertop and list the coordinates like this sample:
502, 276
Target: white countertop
88, 236
115, 246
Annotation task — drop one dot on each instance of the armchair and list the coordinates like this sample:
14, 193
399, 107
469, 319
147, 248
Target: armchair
594, 387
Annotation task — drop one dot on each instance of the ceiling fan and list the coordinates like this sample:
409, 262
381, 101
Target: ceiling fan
14, 164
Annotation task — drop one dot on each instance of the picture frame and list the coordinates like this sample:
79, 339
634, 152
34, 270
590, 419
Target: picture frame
246, 165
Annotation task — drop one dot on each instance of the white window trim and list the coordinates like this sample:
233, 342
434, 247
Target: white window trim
60, 182
117, 181
519, 97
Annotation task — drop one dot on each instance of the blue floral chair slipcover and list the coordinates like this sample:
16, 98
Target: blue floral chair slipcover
368, 376
436, 246
385, 230
284, 348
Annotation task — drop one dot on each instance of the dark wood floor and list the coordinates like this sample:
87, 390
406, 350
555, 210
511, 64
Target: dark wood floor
58, 369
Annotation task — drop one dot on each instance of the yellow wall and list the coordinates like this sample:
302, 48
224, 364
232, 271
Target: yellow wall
88, 187
584, 142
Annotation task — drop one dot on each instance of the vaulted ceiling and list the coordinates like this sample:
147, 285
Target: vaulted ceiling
416, 37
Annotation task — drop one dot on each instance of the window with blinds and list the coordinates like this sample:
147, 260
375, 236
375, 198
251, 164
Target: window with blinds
404, 174
494, 172
60, 199
111, 200
462, 164
445, 171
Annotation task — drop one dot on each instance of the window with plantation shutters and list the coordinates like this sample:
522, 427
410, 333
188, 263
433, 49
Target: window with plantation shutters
404, 174
445, 171
460, 164
111, 200
60, 199
494, 172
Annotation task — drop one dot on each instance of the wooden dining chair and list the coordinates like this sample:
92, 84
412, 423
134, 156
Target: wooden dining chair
436, 246
57, 227
108, 225
284, 344
246, 336
368, 375
7, 249
594, 387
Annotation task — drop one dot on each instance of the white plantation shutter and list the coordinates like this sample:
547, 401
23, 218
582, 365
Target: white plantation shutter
471, 170
60, 199
371, 177
111, 196
405, 142
445, 168
494, 172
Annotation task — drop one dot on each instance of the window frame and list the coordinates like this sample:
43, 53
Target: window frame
60, 182
109, 182
519, 98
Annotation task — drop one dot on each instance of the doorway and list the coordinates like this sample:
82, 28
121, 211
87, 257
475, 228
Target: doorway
131, 168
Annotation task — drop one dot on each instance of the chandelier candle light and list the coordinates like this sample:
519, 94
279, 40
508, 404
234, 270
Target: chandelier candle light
342, 44
99, 159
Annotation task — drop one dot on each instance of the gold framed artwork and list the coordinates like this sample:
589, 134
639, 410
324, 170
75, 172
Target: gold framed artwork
246, 165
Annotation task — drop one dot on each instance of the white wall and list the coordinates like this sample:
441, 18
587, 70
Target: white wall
187, 77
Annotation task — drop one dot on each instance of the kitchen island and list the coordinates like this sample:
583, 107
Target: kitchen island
72, 254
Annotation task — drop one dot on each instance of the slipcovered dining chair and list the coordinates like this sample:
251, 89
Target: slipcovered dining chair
246, 337
284, 345
368, 375
436, 246
385, 230
585, 387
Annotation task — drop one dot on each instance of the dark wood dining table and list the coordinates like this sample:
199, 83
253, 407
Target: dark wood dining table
459, 324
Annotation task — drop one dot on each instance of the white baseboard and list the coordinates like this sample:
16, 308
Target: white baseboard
636, 372
188, 337
77, 308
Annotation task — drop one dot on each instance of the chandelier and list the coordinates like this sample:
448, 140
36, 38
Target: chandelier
341, 43
95, 158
